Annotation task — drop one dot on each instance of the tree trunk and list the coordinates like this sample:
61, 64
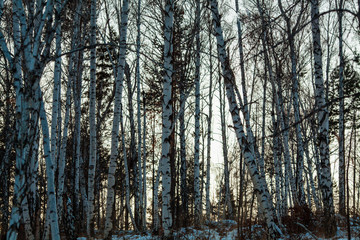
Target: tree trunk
197, 203
70, 83
141, 185
259, 182
342, 209
133, 157
92, 115
183, 168
77, 92
62, 160
55, 233
280, 114
56, 91
127, 177
208, 158
19, 181
227, 205
300, 199
167, 116
329, 222
116, 120
144, 205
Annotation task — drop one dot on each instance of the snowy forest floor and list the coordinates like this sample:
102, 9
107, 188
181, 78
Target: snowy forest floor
228, 229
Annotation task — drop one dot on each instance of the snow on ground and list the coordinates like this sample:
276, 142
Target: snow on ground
226, 230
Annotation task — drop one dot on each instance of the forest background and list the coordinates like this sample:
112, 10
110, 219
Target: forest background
156, 115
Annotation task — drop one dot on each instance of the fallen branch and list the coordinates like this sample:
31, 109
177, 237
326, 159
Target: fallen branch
313, 235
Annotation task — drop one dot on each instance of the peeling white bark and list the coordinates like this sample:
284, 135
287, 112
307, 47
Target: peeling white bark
167, 113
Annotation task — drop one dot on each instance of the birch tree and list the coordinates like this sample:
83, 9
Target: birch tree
57, 88
79, 191
116, 119
75, 42
167, 124
198, 205
342, 208
278, 102
144, 205
92, 116
323, 121
208, 157
142, 191
133, 154
259, 182
300, 200
224, 137
32, 47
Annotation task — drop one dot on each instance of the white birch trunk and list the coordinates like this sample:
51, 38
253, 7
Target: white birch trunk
29, 202
138, 82
62, 161
342, 209
259, 182
144, 169
323, 121
279, 113
25, 213
289, 175
27, 48
56, 91
77, 106
56, 106
197, 203
77, 137
26, 127
183, 167
167, 124
14, 222
92, 116
27, 104
29, 208
55, 233
311, 179
316, 156
224, 137
244, 105
208, 159
300, 200
277, 166
116, 119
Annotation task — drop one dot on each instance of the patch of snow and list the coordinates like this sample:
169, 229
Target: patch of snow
225, 230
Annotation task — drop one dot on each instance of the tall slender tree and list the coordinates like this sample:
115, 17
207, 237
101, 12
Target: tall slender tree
138, 93
198, 205
342, 208
209, 133
259, 182
92, 116
116, 119
290, 31
167, 116
323, 120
